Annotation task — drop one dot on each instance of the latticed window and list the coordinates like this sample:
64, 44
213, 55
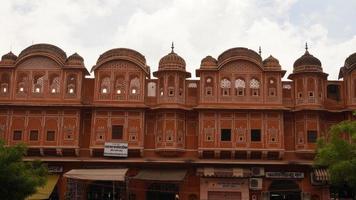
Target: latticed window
208, 86
272, 87
38, 84
135, 86
120, 85
254, 84
225, 85
5, 81
55, 85
240, 86
71, 84
105, 85
22, 83
255, 87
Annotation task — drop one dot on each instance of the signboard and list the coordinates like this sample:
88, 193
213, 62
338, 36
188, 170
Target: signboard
283, 175
115, 149
226, 183
55, 169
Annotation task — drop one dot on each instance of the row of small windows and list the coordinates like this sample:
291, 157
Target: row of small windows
240, 87
34, 135
38, 84
119, 87
117, 133
225, 136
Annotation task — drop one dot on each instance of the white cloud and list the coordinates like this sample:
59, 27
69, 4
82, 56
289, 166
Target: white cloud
198, 28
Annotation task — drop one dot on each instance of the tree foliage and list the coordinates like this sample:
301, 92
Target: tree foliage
19, 179
338, 154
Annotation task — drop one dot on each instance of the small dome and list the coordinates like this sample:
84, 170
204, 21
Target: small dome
172, 61
208, 62
9, 56
350, 64
307, 62
350, 61
271, 62
75, 59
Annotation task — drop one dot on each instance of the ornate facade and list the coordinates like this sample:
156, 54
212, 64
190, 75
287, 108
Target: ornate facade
239, 116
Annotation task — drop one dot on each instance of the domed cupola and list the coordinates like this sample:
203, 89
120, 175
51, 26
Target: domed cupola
350, 64
209, 62
350, 61
307, 63
9, 57
271, 63
171, 62
75, 59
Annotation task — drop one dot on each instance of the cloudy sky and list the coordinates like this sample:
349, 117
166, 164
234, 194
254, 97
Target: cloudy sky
197, 27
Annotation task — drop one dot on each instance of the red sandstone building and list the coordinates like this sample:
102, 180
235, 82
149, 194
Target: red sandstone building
237, 132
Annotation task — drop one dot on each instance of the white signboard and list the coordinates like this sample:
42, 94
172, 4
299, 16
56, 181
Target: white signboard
115, 149
288, 175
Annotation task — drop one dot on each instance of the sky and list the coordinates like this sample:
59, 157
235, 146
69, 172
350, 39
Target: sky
197, 27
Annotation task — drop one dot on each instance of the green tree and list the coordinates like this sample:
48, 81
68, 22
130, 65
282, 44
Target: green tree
19, 179
338, 154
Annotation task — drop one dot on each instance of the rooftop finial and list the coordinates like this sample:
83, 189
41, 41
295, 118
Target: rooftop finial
259, 50
172, 47
306, 46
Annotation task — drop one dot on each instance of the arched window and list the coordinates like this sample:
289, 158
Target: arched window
255, 87
71, 84
272, 87
161, 86
311, 87
209, 83
105, 85
4, 83
240, 86
135, 86
225, 85
300, 86
22, 83
171, 85
54, 87
181, 86
37, 86
151, 89
120, 85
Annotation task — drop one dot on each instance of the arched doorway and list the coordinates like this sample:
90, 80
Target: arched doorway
284, 190
162, 191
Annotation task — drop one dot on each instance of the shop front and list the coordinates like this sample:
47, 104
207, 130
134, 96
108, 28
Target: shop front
161, 184
224, 183
96, 184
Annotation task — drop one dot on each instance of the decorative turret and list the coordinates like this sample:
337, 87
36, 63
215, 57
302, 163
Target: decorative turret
307, 63
271, 63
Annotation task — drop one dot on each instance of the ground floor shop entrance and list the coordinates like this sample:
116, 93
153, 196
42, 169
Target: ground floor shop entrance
284, 190
96, 184
162, 191
104, 190
213, 195
161, 184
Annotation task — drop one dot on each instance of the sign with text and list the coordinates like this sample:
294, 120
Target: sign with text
116, 149
288, 175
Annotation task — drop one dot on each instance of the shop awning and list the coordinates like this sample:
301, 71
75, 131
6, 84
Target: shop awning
161, 175
321, 175
97, 174
45, 191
